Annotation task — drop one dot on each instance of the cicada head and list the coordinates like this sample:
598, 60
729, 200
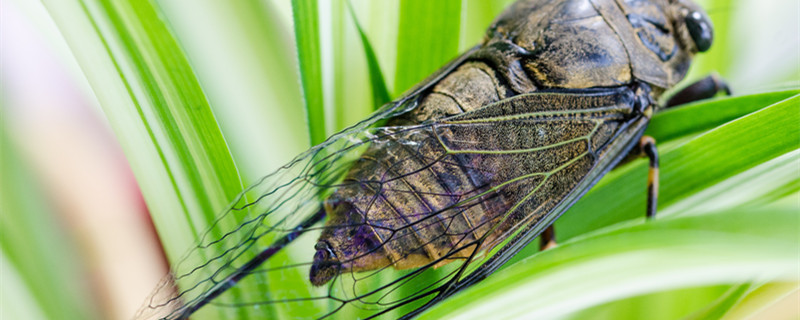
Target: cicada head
665, 35
347, 243
692, 26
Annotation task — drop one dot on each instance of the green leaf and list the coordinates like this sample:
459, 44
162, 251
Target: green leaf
309, 56
662, 305
725, 302
380, 94
426, 39
159, 113
157, 109
479, 15
244, 56
723, 247
701, 116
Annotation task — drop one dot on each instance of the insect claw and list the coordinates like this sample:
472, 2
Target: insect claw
549, 245
548, 239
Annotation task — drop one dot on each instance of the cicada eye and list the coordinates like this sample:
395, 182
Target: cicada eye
324, 251
700, 30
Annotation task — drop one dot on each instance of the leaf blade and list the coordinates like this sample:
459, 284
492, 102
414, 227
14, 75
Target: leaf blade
159, 113
380, 95
609, 265
309, 56
425, 40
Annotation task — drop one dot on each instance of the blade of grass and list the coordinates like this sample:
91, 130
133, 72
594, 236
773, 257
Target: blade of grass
427, 39
380, 94
704, 115
158, 110
244, 56
723, 247
351, 101
352, 75
725, 302
381, 25
662, 305
760, 186
159, 113
309, 56
478, 15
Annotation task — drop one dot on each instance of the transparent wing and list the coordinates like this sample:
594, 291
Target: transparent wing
270, 218
433, 200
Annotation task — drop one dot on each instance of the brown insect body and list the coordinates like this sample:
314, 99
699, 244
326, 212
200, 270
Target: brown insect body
553, 98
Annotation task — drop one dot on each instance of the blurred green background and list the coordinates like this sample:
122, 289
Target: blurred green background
106, 176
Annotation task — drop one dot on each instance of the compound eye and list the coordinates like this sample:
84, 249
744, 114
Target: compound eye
700, 30
324, 251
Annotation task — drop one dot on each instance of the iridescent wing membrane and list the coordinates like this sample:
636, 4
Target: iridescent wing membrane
432, 207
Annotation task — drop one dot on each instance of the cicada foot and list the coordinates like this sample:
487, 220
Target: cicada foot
705, 88
548, 239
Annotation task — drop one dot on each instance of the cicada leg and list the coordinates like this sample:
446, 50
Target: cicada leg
647, 145
702, 89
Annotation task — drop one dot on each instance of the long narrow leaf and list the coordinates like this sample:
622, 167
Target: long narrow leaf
380, 94
661, 305
158, 110
479, 14
309, 55
159, 113
718, 309
244, 56
427, 39
701, 116
724, 247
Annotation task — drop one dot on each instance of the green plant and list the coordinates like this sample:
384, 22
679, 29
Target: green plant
196, 130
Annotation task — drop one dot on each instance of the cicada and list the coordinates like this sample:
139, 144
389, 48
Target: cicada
436, 190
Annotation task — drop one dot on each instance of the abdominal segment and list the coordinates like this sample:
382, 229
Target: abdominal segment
407, 206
